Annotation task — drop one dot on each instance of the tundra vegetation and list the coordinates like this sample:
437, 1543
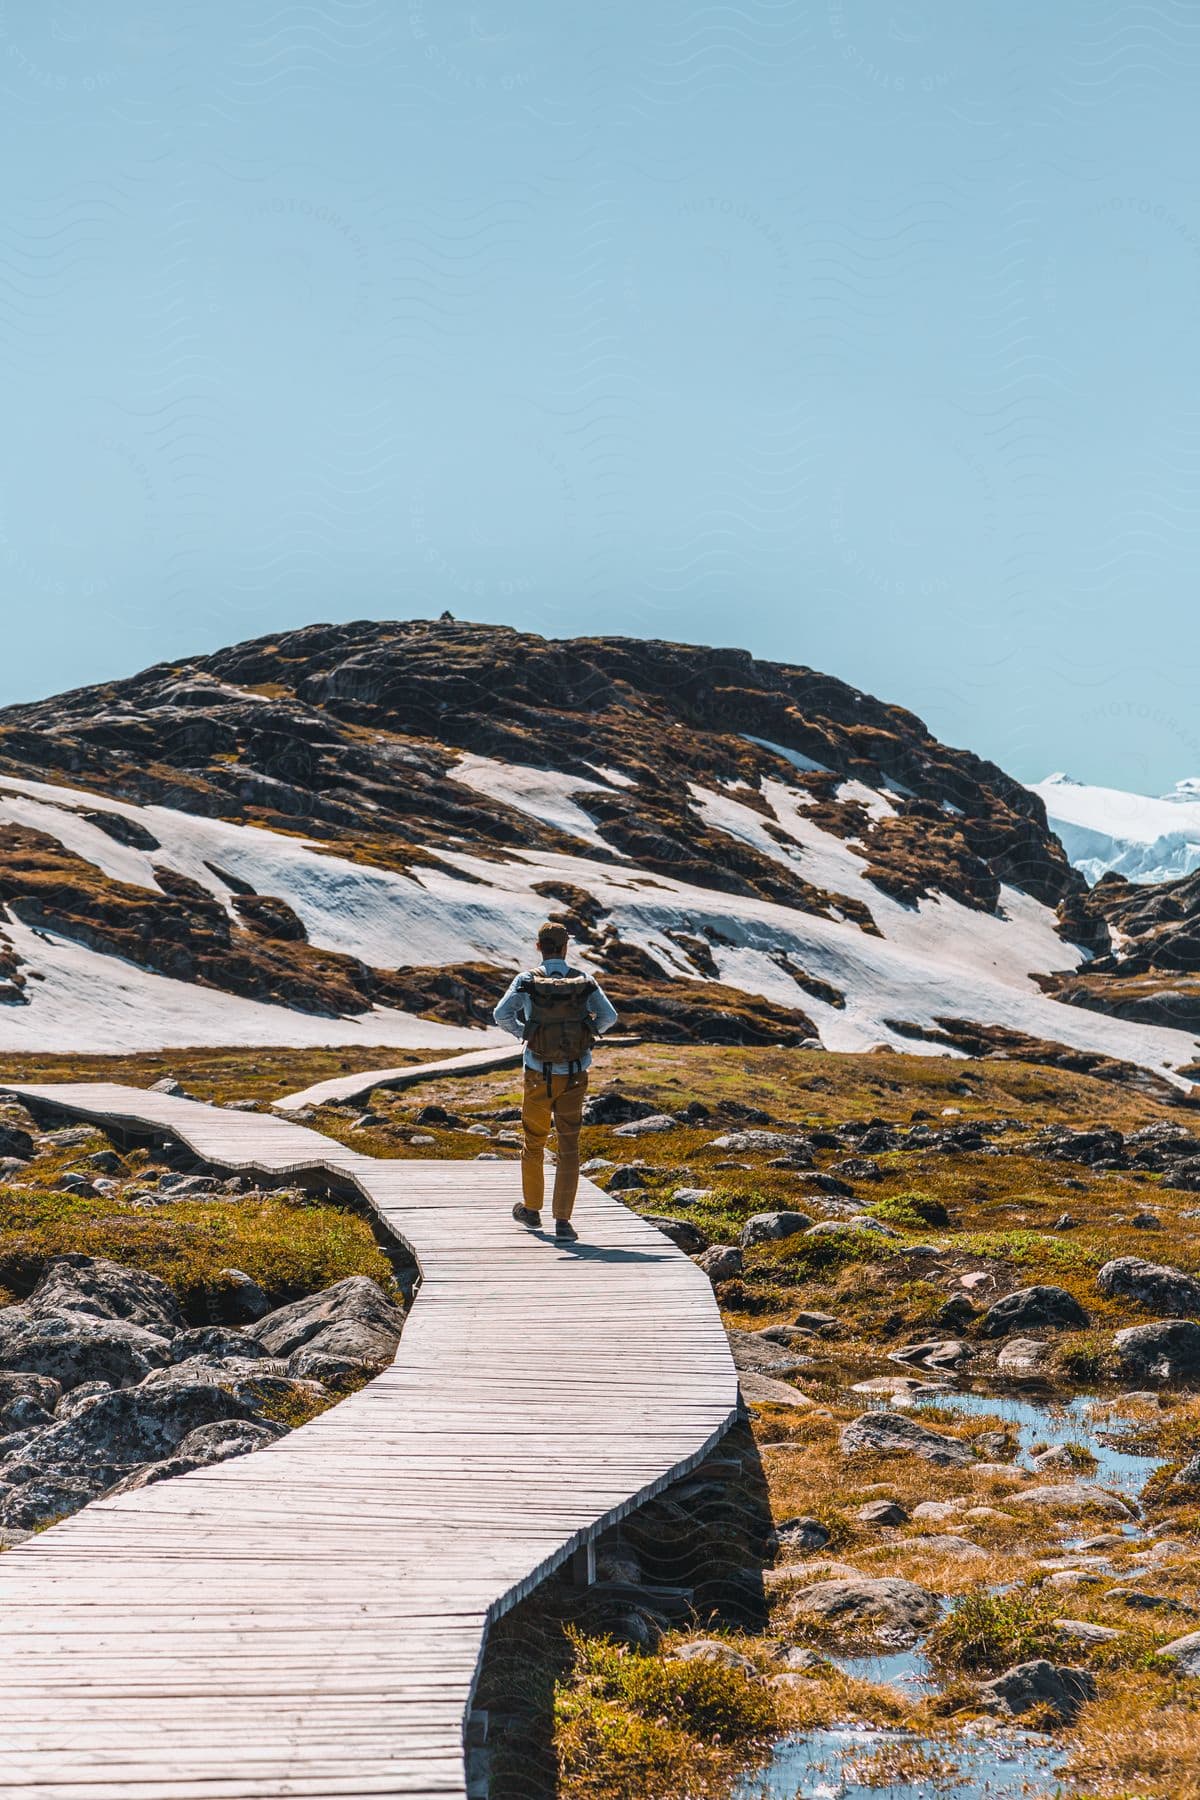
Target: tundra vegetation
1007, 1249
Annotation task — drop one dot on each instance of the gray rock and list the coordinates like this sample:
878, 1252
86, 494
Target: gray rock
24, 1413
1166, 1351
96, 1288
752, 1352
353, 1319
1034, 1306
882, 1512
200, 1449
636, 1128
851, 1228
216, 1342
80, 1397
253, 1384
33, 1504
814, 1321
73, 1347
241, 1300
1023, 1357
713, 1650
1083, 1631
886, 1604
771, 1227
1163, 1290
627, 1180
1185, 1651
47, 1393
1072, 1497
802, 1534
721, 1263
1061, 1691
688, 1196
737, 1142
682, 1233
890, 1433
105, 1442
15, 1143
938, 1353
945, 1545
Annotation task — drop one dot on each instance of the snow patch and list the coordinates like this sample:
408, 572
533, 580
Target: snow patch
97, 1005
795, 757
542, 794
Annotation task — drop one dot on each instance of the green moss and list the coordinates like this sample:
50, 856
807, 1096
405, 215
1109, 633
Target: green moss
633, 1727
915, 1211
290, 1248
990, 1632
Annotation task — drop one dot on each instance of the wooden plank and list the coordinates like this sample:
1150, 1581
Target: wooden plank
309, 1620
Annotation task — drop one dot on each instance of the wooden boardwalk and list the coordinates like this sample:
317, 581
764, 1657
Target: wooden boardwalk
340, 1088
309, 1619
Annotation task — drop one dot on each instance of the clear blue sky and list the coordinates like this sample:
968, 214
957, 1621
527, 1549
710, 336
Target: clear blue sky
863, 335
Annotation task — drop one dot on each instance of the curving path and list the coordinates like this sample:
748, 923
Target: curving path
358, 1087
309, 1620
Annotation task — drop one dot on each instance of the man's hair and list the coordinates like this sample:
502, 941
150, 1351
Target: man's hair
552, 939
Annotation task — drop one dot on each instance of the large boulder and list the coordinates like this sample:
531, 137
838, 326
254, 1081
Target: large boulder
353, 1321
885, 1604
71, 1348
1157, 1286
104, 1442
96, 1288
1033, 1307
1072, 1497
201, 1448
1185, 1652
1168, 1350
893, 1433
1059, 1691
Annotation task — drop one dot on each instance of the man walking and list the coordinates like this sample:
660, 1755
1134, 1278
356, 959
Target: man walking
559, 1012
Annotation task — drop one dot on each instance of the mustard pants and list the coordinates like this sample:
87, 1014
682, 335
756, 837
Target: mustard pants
559, 1105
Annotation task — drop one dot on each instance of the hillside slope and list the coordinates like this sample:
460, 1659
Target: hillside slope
319, 837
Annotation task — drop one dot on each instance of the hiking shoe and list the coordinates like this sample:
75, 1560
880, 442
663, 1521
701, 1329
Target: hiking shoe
563, 1228
525, 1215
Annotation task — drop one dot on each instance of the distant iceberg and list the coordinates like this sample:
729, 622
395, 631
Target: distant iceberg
1139, 836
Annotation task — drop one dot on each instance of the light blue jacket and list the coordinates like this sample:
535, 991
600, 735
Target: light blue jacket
510, 1013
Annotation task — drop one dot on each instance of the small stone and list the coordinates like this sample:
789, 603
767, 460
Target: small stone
712, 1650
1082, 1631
802, 1534
882, 1512
886, 1433
682, 1233
1062, 1691
656, 1122
1023, 1357
883, 1603
721, 1263
691, 1196
773, 1227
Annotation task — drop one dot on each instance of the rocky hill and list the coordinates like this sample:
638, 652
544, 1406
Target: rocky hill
349, 833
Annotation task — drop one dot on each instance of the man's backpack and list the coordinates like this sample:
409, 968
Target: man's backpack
557, 1026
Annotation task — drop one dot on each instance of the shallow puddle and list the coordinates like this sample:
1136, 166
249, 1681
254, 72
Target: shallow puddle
1085, 1420
847, 1762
